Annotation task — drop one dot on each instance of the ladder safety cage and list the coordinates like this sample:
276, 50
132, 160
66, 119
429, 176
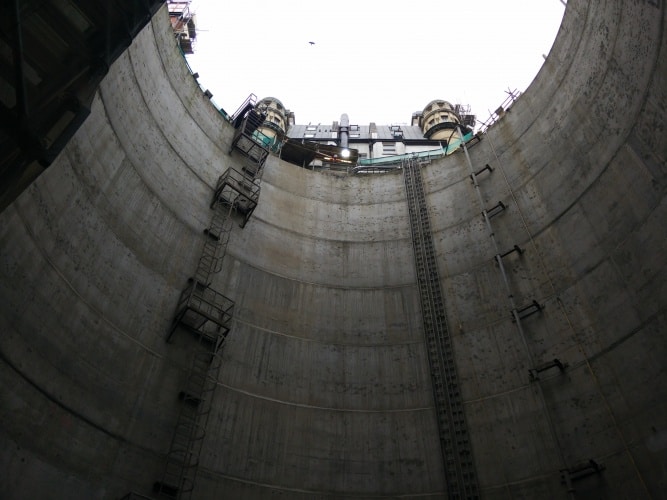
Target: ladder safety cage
203, 311
180, 470
246, 140
215, 244
239, 191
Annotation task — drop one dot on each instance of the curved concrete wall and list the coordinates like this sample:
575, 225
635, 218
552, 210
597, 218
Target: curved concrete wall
325, 389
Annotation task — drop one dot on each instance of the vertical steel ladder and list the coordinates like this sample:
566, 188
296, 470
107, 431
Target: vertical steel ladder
460, 472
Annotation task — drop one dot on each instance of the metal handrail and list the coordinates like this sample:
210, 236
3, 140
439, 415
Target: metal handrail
251, 99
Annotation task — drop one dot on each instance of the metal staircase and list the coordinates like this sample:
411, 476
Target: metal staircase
460, 472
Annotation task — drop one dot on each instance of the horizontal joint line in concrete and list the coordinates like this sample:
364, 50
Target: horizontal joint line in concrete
332, 240
81, 297
175, 85
315, 283
211, 473
400, 198
324, 408
158, 127
500, 394
305, 339
164, 202
519, 482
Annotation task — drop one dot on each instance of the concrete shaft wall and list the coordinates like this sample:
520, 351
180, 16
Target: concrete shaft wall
325, 389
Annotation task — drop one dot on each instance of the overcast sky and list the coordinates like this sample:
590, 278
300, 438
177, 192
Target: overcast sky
375, 60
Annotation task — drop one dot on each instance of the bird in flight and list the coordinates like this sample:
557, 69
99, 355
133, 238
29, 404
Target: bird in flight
312, 43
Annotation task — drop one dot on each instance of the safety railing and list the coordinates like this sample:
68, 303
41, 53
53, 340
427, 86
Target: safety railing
390, 162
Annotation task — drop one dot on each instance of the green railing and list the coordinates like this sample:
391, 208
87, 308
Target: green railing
427, 155
270, 143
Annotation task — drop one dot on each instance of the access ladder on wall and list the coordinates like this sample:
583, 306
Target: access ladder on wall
206, 312
179, 473
201, 309
521, 313
243, 183
245, 140
215, 246
460, 472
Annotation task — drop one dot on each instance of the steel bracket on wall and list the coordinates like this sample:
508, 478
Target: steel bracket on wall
580, 471
515, 248
486, 167
495, 210
555, 363
529, 310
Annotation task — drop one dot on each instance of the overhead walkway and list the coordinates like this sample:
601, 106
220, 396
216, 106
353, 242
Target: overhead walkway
388, 163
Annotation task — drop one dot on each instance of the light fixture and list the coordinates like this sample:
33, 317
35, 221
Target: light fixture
345, 153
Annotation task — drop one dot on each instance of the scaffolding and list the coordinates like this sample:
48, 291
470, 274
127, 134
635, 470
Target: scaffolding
183, 24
